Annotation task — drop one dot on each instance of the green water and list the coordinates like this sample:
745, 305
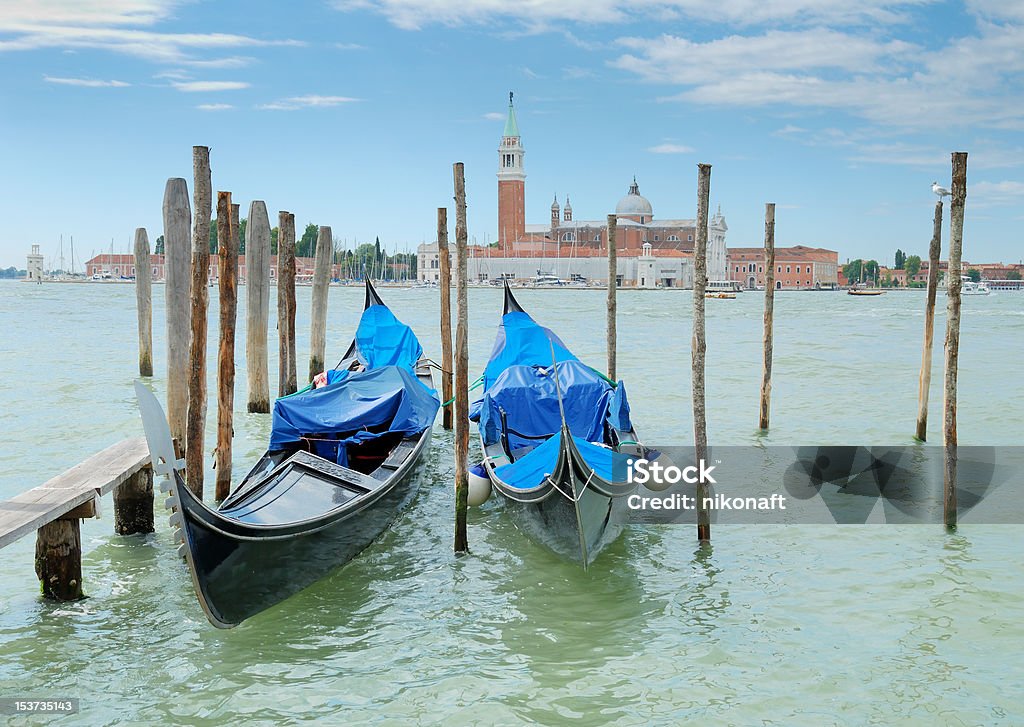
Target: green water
774, 625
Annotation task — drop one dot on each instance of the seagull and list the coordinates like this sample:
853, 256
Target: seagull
941, 191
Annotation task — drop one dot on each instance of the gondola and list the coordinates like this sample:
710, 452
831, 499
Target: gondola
343, 460
556, 438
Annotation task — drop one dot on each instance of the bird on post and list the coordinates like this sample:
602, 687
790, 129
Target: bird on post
940, 191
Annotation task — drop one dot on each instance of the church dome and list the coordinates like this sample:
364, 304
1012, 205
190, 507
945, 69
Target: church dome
634, 203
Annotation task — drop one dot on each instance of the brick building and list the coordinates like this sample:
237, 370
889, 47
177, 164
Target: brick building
118, 265
565, 236
796, 268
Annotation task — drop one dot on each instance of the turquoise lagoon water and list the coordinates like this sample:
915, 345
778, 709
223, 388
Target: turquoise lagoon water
773, 625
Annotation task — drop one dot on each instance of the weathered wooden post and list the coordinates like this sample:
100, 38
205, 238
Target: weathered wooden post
59, 558
144, 301
461, 365
227, 257
177, 271
287, 380
321, 288
954, 284
924, 381
699, 345
613, 275
769, 311
133, 504
257, 298
195, 427
445, 266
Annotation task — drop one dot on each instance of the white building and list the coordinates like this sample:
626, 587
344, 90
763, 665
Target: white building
35, 265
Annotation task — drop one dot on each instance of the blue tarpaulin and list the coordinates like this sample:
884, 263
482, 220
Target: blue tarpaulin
530, 471
529, 397
360, 406
521, 341
383, 340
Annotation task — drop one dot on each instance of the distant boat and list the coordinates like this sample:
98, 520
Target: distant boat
865, 291
724, 289
343, 460
554, 436
971, 288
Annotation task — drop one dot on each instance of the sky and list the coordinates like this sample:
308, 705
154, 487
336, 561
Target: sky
351, 112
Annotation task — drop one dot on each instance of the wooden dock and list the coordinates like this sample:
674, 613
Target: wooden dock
54, 510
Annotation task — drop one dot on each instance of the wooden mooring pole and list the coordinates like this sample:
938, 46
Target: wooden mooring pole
321, 288
613, 283
195, 427
227, 273
144, 301
769, 312
461, 365
445, 269
924, 381
257, 300
133, 504
954, 284
699, 345
177, 272
287, 380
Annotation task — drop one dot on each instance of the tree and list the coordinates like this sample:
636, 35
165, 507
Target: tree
1013, 275
871, 270
273, 240
241, 235
159, 245
901, 258
912, 264
852, 271
306, 245
974, 274
213, 236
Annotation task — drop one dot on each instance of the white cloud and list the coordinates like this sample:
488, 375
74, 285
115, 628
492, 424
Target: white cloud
87, 12
205, 86
494, 116
86, 82
575, 73
349, 46
111, 25
214, 106
973, 80
670, 149
545, 14
995, 194
304, 102
220, 63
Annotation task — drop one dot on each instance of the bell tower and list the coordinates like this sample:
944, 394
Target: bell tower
511, 182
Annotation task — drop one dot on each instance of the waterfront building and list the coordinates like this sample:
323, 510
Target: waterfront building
123, 265
34, 267
565, 237
796, 268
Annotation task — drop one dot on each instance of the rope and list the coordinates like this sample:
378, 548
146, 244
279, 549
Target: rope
474, 385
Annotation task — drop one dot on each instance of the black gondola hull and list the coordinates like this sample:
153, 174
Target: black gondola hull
239, 569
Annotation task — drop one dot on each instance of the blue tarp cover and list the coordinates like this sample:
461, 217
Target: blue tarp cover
383, 340
530, 400
530, 471
387, 399
521, 341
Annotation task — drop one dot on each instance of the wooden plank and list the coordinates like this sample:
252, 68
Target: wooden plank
83, 483
25, 513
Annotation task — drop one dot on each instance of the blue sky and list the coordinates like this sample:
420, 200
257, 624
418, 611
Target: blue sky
351, 112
